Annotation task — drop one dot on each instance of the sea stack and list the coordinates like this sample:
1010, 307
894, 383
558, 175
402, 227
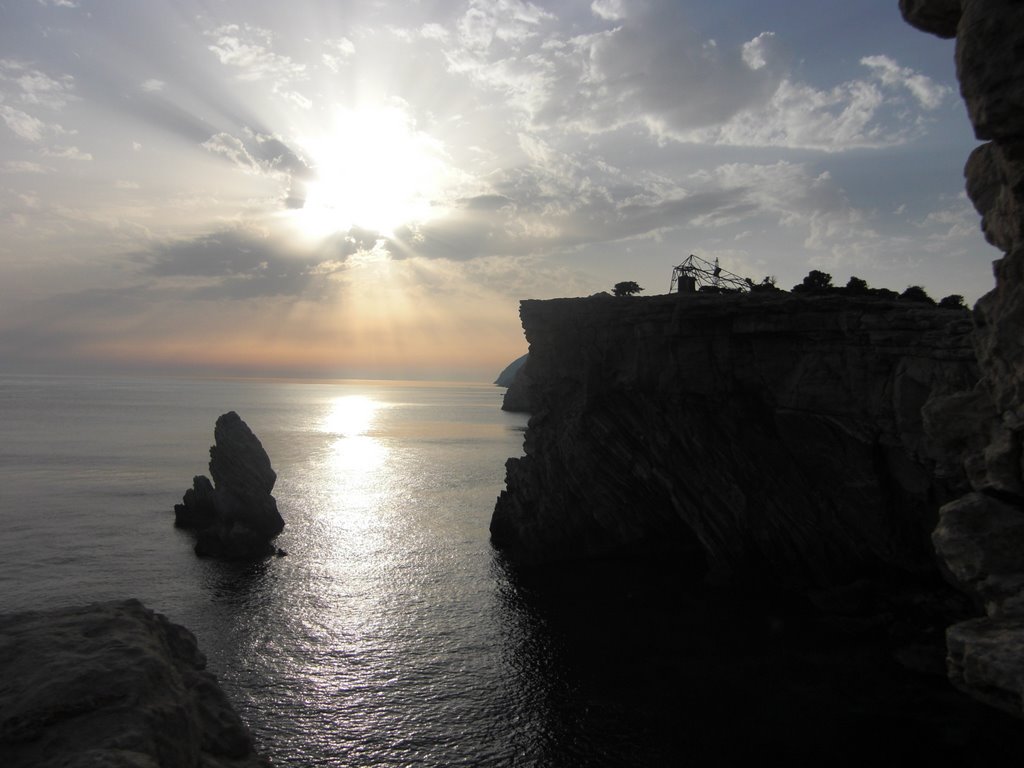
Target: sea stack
235, 516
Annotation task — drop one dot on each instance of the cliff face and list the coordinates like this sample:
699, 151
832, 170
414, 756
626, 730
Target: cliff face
775, 432
112, 684
980, 536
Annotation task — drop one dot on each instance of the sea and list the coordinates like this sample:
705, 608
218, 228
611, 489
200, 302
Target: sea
391, 633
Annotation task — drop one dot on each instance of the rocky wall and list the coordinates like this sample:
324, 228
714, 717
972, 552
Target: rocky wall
980, 536
776, 433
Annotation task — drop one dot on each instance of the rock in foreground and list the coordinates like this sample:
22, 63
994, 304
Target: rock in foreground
235, 516
112, 685
980, 536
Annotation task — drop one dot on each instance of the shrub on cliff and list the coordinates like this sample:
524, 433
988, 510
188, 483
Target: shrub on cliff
953, 301
855, 286
918, 294
767, 285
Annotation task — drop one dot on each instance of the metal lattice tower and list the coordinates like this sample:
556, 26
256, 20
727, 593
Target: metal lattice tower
696, 274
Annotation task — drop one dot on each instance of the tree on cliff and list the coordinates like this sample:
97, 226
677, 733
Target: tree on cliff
815, 282
626, 288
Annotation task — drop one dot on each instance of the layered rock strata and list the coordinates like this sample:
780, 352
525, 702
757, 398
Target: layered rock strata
112, 684
980, 536
768, 432
235, 516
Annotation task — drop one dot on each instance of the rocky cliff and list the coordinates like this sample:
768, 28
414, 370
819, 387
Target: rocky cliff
770, 432
112, 684
980, 536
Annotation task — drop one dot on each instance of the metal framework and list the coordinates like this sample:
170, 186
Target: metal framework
696, 274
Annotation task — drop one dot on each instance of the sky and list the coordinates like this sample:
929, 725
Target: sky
367, 189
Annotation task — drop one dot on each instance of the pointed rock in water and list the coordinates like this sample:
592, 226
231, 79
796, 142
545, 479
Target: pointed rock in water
235, 516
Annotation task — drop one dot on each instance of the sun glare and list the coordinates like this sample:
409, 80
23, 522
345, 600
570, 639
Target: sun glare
350, 416
373, 170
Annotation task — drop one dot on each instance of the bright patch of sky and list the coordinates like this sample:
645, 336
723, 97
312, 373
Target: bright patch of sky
368, 189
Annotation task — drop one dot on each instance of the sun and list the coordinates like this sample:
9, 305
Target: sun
373, 170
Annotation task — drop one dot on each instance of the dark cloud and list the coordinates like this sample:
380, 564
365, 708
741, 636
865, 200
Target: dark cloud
485, 202
241, 264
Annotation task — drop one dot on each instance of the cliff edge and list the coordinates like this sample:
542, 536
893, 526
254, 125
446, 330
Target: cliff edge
774, 433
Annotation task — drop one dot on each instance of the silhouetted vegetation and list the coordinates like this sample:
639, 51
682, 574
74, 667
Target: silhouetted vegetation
626, 288
918, 294
815, 282
855, 286
766, 285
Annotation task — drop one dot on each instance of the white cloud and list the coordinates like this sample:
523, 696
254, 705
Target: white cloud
507, 21
610, 10
860, 113
67, 153
27, 85
234, 150
152, 85
249, 50
59, 3
24, 166
756, 51
339, 51
928, 93
433, 32
22, 123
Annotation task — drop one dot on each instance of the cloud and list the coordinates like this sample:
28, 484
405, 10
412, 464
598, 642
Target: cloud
265, 155
30, 86
610, 10
339, 51
22, 124
152, 85
244, 263
24, 166
503, 21
59, 3
67, 153
249, 50
653, 69
928, 93
869, 112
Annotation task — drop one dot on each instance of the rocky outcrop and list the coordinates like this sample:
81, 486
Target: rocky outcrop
235, 516
769, 432
112, 684
508, 373
980, 536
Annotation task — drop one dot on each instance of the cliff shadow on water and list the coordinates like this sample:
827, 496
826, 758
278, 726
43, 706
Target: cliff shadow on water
636, 663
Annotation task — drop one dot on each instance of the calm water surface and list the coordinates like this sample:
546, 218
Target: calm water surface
386, 637
391, 635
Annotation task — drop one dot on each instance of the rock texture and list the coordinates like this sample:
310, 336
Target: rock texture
235, 516
769, 432
112, 685
980, 536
